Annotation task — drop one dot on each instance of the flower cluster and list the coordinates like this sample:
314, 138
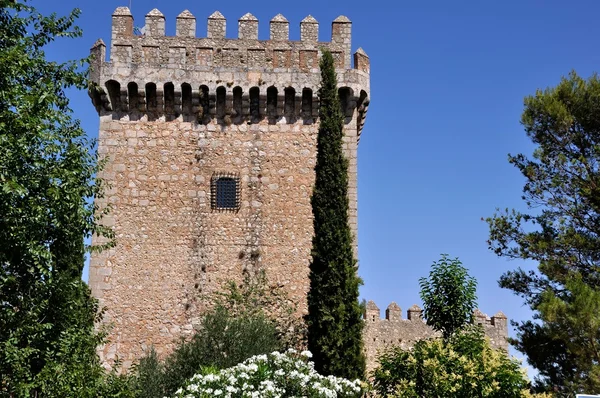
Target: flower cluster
288, 374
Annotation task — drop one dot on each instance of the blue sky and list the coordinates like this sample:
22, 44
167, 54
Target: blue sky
447, 87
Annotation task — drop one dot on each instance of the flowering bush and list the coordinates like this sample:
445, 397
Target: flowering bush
273, 375
463, 366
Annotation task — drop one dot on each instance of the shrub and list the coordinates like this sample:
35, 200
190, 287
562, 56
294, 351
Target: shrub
256, 296
272, 375
465, 365
118, 385
149, 376
222, 340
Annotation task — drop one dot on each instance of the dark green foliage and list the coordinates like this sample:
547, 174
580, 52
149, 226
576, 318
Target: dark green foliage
449, 296
222, 341
561, 233
116, 384
47, 169
464, 365
334, 317
149, 375
255, 296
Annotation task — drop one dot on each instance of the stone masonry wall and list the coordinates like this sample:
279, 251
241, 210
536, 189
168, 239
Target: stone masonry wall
393, 330
175, 112
171, 246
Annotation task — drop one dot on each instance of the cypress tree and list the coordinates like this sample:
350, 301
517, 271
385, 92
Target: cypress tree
334, 317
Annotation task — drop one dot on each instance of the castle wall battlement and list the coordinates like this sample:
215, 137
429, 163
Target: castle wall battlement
152, 46
393, 330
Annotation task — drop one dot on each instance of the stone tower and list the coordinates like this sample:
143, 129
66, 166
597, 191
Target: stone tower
210, 145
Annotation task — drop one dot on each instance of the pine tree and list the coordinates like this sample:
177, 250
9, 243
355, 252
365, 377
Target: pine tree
334, 317
561, 233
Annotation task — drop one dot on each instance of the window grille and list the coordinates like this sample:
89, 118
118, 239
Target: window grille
225, 192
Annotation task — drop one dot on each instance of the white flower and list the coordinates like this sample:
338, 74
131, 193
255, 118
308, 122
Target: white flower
306, 354
289, 371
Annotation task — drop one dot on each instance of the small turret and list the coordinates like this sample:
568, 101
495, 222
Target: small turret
415, 313
155, 24
122, 23
98, 53
216, 26
361, 61
372, 312
393, 312
309, 30
280, 28
500, 320
341, 34
479, 317
186, 24
248, 27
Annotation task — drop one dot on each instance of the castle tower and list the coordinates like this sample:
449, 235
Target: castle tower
210, 145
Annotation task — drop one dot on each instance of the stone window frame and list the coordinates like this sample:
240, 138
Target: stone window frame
213, 191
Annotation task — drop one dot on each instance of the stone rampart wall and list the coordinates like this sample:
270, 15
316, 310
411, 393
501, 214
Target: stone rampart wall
393, 330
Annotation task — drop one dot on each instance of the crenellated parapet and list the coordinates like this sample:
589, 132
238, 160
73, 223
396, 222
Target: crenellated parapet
150, 45
394, 330
238, 80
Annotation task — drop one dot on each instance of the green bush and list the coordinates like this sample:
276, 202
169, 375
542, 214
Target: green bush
117, 385
256, 296
465, 365
149, 376
222, 341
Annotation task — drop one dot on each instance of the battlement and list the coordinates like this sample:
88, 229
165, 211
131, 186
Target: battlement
231, 80
393, 330
394, 313
151, 45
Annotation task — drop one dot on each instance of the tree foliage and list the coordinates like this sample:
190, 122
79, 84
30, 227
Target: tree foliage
47, 169
464, 365
334, 317
449, 296
560, 232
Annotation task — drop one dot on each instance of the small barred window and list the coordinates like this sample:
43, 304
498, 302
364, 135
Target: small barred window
225, 192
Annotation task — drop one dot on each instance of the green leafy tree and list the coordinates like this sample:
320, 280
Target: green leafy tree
334, 317
47, 169
560, 232
460, 364
463, 366
449, 296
